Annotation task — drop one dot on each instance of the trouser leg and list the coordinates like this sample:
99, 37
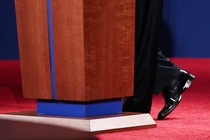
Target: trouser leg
148, 19
166, 71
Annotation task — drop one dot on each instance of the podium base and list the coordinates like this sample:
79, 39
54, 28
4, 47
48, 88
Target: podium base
123, 121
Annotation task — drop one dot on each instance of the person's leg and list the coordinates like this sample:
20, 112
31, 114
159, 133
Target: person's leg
172, 81
165, 72
148, 19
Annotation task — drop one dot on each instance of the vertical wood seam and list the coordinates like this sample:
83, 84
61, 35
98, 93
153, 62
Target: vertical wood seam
51, 47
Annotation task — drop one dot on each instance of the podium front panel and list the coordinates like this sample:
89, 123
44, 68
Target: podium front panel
76, 50
94, 48
68, 37
33, 41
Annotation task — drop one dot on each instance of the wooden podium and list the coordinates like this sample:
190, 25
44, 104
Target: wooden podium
77, 56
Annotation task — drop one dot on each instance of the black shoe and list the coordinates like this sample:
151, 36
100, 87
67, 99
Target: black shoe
173, 92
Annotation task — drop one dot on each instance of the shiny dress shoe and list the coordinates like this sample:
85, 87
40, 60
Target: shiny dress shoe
173, 92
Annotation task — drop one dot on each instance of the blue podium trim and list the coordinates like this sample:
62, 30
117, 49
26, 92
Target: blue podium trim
51, 46
79, 109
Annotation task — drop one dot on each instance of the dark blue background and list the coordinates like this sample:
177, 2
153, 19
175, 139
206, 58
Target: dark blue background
8, 31
185, 30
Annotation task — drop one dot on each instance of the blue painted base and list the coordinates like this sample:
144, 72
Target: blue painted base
79, 109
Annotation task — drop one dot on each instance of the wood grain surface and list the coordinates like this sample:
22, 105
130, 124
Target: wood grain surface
69, 49
109, 48
94, 48
33, 39
93, 45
